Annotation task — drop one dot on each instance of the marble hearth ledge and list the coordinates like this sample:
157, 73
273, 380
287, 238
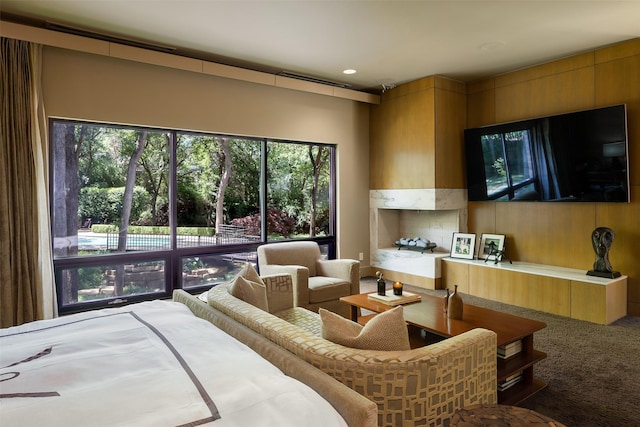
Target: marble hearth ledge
409, 261
419, 199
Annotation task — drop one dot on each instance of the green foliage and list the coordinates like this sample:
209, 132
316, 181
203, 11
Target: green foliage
190, 264
192, 206
96, 167
290, 180
196, 231
94, 204
498, 165
200, 167
155, 230
104, 228
243, 194
322, 222
103, 205
89, 277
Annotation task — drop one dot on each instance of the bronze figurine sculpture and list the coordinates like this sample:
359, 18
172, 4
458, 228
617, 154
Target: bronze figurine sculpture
602, 239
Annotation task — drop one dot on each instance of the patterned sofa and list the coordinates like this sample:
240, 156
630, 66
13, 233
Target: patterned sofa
418, 387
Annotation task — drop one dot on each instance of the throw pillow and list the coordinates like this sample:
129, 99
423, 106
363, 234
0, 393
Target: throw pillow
386, 331
279, 291
250, 273
250, 292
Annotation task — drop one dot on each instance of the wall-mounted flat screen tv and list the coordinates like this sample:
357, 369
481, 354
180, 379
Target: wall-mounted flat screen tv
579, 156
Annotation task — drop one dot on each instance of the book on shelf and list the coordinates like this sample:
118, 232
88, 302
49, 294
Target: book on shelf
513, 377
508, 350
510, 381
390, 299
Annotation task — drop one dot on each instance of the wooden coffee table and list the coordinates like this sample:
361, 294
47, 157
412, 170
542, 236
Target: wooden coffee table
428, 314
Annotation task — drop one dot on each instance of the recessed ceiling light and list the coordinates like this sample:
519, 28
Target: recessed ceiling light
349, 71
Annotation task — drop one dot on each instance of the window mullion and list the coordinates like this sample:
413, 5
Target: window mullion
173, 188
263, 191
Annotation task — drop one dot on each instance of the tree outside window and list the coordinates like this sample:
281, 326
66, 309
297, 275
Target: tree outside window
138, 212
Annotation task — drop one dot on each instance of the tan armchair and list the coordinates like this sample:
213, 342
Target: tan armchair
316, 282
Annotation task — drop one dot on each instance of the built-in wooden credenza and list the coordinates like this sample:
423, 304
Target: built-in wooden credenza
557, 290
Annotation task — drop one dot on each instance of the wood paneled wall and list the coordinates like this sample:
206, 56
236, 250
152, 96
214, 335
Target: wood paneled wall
450, 122
560, 234
417, 136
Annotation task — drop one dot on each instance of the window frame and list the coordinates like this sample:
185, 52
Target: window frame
173, 257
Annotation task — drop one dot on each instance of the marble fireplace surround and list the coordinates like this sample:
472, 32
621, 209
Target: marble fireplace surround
433, 214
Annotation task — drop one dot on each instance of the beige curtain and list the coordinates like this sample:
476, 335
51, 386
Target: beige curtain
26, 285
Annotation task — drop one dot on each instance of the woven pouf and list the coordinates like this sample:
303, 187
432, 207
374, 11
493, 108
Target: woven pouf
500, 416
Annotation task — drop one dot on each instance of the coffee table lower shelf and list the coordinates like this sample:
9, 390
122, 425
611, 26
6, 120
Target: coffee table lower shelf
520, 363
520, 392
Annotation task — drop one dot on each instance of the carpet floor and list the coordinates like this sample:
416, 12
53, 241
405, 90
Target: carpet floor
592, 371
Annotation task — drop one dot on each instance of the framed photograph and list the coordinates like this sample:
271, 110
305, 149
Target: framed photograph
489, 242
463, 245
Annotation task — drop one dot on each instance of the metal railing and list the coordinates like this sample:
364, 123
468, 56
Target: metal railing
225, 235
230, 234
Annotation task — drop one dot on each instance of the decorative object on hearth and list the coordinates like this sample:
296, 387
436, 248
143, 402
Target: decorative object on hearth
602, 239
416, 244
397, 288
463, 245
446, 300
381, 284
489, 244
454, 311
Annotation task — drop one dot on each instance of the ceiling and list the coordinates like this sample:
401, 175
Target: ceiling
387, 42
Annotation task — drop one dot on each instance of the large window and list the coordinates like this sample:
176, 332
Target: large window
138, 212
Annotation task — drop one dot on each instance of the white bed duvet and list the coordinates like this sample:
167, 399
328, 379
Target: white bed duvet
148, 364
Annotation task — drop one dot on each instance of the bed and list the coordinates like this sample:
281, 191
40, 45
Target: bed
154, 364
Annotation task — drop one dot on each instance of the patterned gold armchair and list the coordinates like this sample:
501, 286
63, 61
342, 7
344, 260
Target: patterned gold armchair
316, 282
